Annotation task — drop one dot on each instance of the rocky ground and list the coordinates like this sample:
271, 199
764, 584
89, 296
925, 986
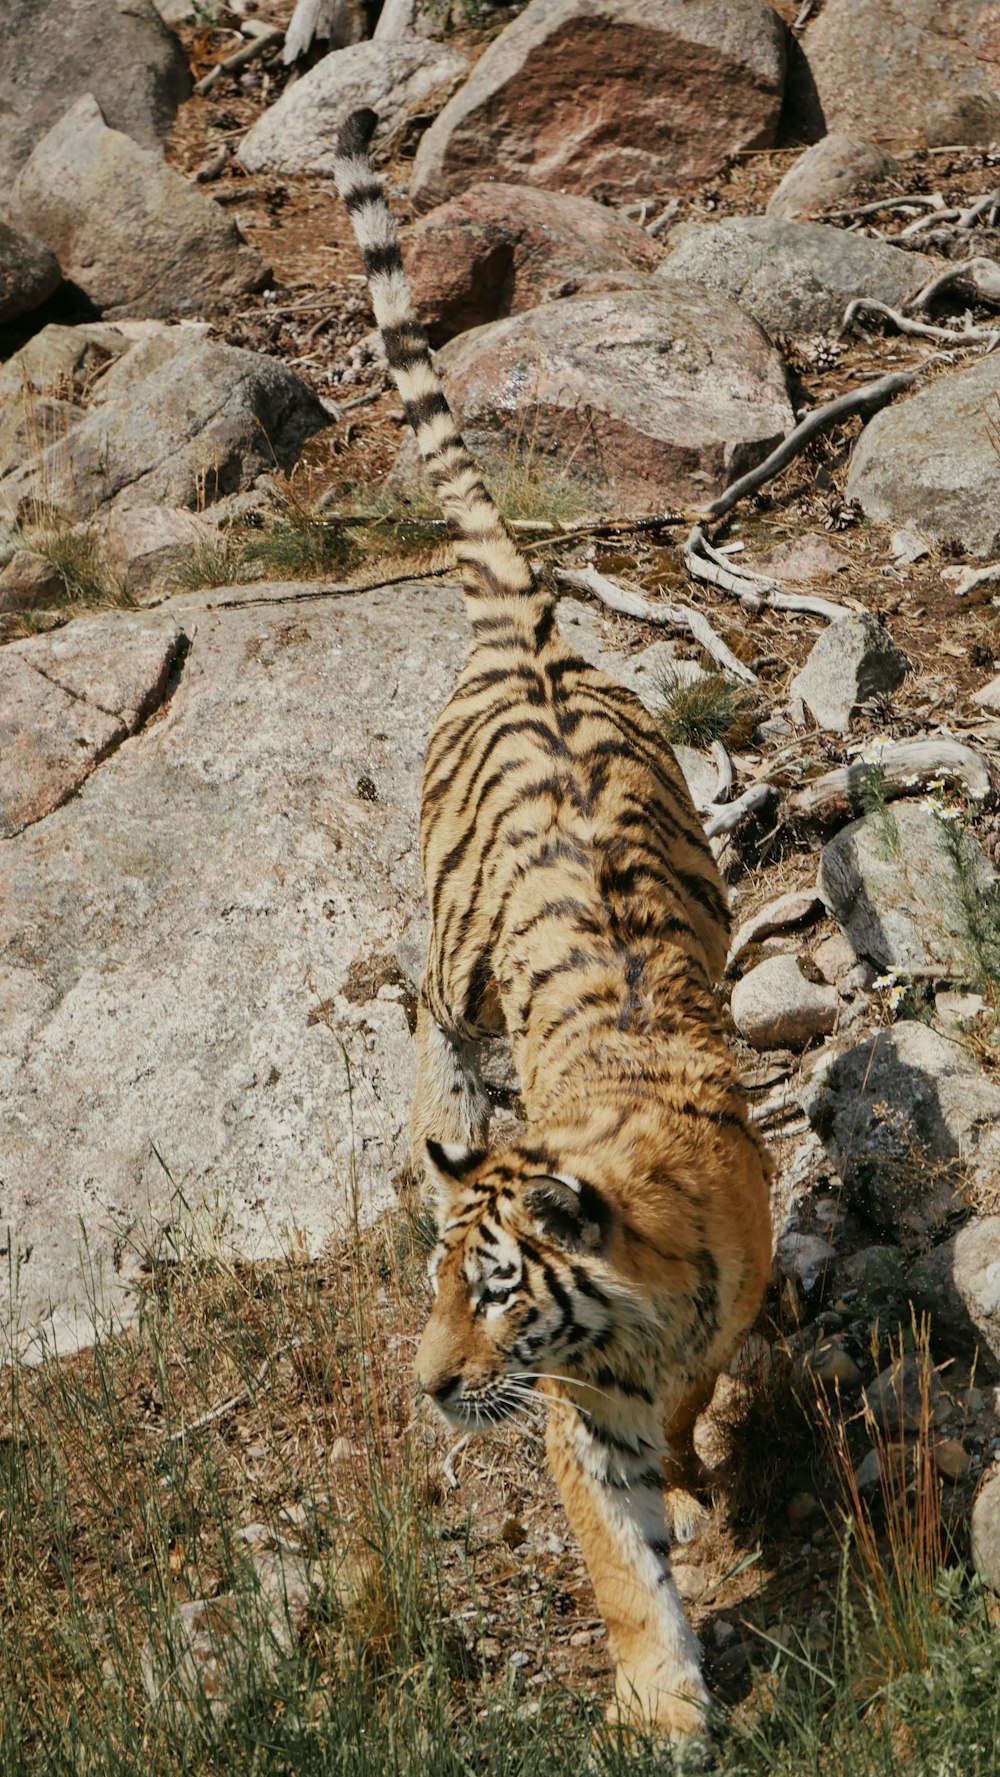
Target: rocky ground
226, 630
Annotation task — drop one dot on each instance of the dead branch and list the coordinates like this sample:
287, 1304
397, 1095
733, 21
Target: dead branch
633, 604
724, 820
990, 200
933, 220
756, 591
234, 1400
871, 395
934, 201
967, 335
664, 219
336, 23
903, 766
260, 37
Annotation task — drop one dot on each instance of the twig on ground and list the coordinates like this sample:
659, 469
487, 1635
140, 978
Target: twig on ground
723, 820
234, 1400
664, 219
633, 604
990, 200
264, 37
756, 591
871, 395
969, 335
933, 220
932, 200
804, 13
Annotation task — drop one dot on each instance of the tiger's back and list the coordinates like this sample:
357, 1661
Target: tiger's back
616, 1252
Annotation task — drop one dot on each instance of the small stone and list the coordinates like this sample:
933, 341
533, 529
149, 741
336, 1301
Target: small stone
958, 1008
581, 1638
774, 1006
989, 695
29, 581
723, 1633
908, 547
853, 660
896, 1398
834, 1366
985, 1532
868, 1474
801, 1508
804, 1257
341, 1450
519, 1660
953, 1461
834, 957
29, 272
827, 175
787, 912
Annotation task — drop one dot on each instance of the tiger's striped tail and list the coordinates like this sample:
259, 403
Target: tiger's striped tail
493, 568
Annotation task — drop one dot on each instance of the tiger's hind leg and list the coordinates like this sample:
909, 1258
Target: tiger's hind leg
450, 1102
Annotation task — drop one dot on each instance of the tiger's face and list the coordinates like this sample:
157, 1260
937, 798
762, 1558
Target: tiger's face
524, 1283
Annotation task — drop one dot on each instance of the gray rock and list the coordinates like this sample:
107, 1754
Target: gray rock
958, 1008
930, 461
984, 1539
894, 71
643, 672
834, 958
68, 699
56, 50
893, 887
775, 1007
792, 277
298, 134
829, 174
610, 98
131, 233
804, 1257
216, 1652
908, 1120
682, 392
780, 915
28, 581
874, 1277
905, 1396
29, 272
958, 1285
178, 937
854, 659
174, 421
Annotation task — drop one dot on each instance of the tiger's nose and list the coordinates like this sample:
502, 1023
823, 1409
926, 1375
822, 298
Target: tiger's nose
441, 1388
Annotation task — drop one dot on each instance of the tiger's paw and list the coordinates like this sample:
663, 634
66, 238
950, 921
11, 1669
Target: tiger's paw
686, 1516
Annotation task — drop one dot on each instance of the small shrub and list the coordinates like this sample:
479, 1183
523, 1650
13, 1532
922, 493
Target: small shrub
707, 709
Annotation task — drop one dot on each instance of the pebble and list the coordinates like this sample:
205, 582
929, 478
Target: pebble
952, 1459
834, 1366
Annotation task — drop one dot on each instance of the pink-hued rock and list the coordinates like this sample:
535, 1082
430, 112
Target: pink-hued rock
143, 543
69, 698
498, 249
648, 398
610, 98
896, 69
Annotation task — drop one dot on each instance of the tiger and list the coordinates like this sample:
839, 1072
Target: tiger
612, 1257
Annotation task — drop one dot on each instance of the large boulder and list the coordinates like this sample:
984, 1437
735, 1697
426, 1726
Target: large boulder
909, 1120
199, 1003
931, 461
298, 134
498, 249
958, 1285
175, 420
610, 98
793, 277
829, 174
649, 399
892, 883
29, 272
131, 233
54, 51
892, 69
774, 1006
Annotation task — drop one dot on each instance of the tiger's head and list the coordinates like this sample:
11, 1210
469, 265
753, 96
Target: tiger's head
527, 1283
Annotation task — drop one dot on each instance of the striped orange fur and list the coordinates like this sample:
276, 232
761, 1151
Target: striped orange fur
612, 1258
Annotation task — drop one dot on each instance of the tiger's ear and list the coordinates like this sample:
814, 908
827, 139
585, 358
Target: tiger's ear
570, 1212
448, 1163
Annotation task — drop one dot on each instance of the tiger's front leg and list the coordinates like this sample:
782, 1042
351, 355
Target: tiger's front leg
450, 1102
613, 1493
